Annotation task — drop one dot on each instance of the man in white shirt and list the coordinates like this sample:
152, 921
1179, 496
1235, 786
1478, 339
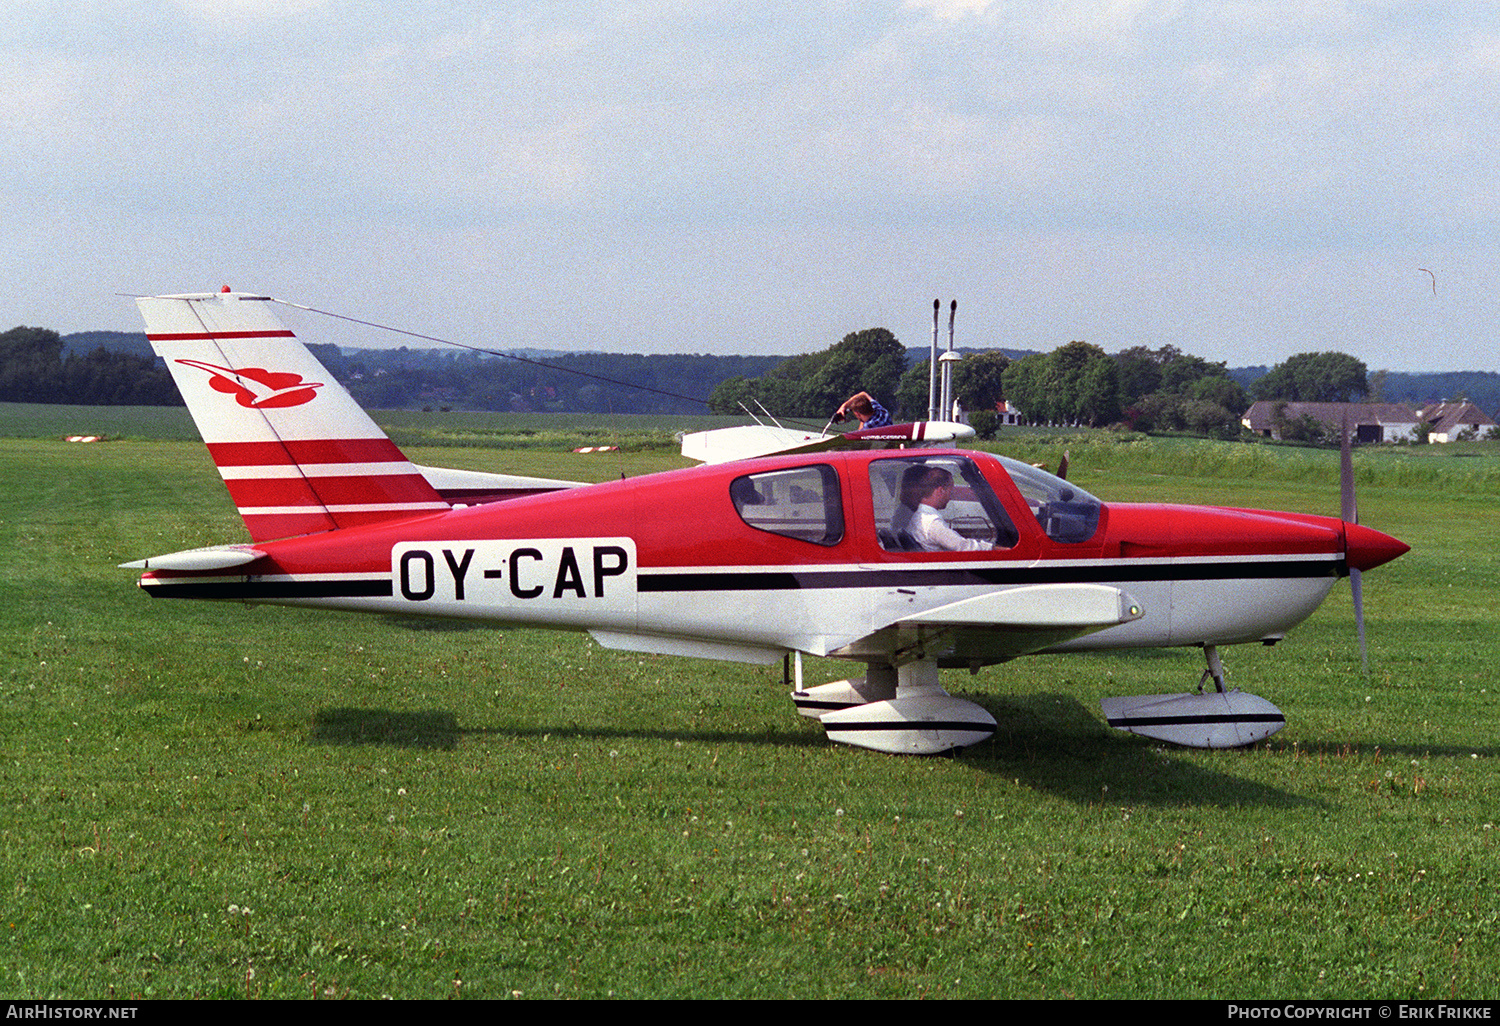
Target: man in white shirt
925, 490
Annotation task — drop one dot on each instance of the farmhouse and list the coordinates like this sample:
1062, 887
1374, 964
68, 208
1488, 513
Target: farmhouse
1009, 415
1454, 420
1368, 422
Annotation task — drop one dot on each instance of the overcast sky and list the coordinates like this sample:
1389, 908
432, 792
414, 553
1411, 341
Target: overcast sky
1243, 180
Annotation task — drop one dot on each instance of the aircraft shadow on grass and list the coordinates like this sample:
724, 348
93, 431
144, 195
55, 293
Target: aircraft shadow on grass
423, 728
1052, 742
1048, 742
432, 625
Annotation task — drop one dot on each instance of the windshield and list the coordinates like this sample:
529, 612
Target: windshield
1066, 512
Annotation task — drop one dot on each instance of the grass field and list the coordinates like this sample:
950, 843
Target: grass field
228, 801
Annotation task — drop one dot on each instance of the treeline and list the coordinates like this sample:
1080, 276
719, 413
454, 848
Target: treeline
1077, 383
1144, 389
607, 383
117, 368
34, 369
1166, 389
1162, 389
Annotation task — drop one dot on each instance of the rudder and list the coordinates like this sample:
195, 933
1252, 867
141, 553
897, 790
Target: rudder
295, 450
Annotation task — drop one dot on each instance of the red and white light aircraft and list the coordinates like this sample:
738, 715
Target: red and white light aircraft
750, 560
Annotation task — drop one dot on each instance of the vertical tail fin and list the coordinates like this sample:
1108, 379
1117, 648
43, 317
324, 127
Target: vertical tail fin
295, 449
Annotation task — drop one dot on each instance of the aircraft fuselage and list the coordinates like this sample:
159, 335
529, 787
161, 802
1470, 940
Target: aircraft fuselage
752, 559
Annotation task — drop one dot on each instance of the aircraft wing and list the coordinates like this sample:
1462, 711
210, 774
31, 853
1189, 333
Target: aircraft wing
723, 445
1004, 624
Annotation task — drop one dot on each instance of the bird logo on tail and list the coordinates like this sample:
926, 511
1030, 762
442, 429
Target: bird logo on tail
256, 388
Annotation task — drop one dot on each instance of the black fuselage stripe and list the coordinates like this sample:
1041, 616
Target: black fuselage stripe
970, 576
672, 582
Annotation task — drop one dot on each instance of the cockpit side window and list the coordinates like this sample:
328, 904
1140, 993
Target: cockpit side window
1066, 512
970, 519
802, 503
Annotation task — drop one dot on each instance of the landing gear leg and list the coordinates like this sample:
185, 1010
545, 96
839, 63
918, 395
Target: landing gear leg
1215, 671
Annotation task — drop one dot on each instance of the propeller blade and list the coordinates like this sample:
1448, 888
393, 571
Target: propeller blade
1356, 586
1062, 466
1349, 512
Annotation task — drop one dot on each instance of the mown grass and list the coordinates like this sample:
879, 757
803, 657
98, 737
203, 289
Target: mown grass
229, 801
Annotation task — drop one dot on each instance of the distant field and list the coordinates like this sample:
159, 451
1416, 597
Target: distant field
230, 801
1470, 465
37, 420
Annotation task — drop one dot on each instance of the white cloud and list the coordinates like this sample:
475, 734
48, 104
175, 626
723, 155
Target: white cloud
220, 11
1148, 171
949, 10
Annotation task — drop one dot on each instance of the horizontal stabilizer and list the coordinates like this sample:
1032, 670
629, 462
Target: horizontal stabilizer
473, 487
215, 557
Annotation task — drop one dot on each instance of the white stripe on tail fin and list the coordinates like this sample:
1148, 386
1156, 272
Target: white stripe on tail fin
295, 449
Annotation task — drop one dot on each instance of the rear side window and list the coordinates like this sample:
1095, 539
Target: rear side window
802, 503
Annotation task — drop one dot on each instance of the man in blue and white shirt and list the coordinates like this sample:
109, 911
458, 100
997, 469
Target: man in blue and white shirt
866, 410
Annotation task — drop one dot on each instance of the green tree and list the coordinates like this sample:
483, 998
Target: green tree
1315, 378
1159, 411
32, 369
815, 384
1026, 388
1099, 392
872, 361
1209, 418
979, 381
31, 366
731, 394
1224, 391
1140, 371
911, 394
1085, 383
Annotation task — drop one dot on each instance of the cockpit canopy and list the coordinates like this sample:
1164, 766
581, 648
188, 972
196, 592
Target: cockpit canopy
805, 502
1066, 512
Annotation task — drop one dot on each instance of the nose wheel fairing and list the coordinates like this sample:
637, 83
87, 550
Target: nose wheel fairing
1221, 718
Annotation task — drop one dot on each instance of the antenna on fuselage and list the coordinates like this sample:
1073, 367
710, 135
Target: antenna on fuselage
768, 413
